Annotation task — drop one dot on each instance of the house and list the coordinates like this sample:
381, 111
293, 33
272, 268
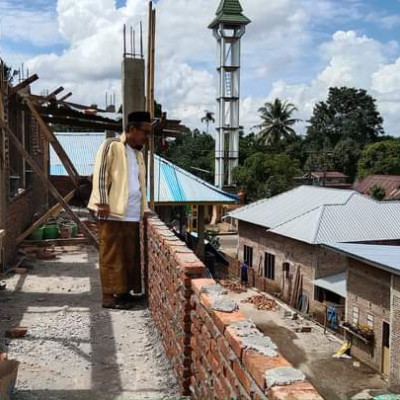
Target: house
281, 237
373, 302
332, 179
390, 184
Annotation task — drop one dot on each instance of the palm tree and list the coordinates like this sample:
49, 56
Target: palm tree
208, 117
277, 122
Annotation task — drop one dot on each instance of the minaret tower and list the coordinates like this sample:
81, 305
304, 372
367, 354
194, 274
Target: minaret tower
229, 26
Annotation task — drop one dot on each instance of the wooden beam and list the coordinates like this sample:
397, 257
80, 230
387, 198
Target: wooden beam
50, 137
23, 84
94, 125
54, 93
50, 213
67, 96
45, 180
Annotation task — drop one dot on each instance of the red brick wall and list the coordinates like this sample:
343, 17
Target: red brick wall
395, 335
369, 290
208, 358
171, 267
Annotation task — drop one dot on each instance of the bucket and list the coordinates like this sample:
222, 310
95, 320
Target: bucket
50, 232
73, 226
37, 234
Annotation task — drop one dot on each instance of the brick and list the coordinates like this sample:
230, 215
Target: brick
225, 349
241, 375
298, 391
256, 364
15, 333
222, 319
198, 284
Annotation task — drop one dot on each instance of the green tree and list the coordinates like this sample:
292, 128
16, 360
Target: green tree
265, 175
345, 157
278, 122
377, 192
250, 145
348, 113
208, 118
380, 158
194, 152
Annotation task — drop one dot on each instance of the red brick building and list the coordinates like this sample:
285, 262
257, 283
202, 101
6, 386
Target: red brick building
22, 195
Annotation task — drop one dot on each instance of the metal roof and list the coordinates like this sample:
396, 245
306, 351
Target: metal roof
230, 12
385, 257
391, 184
173, 185
276, 210
318, 215
81, 148
334, 283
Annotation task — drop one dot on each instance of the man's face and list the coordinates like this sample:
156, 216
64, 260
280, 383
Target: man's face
137, 137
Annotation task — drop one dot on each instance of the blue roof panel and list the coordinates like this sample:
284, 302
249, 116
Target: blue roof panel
172, 184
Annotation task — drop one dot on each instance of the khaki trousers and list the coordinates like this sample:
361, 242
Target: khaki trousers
120, 267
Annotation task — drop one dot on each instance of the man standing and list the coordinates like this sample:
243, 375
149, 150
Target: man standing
119, 199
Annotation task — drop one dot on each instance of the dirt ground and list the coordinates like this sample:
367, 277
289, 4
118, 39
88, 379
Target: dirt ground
335, 379
74, 349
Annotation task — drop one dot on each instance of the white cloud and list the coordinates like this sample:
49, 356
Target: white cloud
280, 43
38, 27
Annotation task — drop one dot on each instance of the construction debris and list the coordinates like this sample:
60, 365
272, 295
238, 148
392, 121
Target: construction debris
235, 287
262, 302
15, 333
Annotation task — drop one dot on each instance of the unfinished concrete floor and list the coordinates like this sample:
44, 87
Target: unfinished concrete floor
334, 379
74, 349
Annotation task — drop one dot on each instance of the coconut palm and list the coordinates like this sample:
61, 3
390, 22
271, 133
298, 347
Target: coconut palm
208, 117
277, 122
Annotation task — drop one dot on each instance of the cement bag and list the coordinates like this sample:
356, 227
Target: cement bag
8, 377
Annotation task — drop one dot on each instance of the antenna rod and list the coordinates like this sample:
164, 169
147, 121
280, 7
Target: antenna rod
141, 39
124, 40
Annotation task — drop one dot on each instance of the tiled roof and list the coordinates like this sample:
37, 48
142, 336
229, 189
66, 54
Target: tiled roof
391, 184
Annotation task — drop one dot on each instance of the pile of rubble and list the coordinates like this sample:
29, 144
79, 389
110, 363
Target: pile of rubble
262, 302
233, 286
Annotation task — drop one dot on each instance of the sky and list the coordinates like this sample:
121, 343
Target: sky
293, 49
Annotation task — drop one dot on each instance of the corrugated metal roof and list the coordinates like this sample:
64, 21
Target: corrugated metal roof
276, 210
391, 184
334, 283
172, 184
175, 185
387, 257
81, 148
318, 215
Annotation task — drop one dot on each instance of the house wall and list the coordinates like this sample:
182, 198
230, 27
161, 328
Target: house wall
313, 261
19, 212
369, 290
395, 335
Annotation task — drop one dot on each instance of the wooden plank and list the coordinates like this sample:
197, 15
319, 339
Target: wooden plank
23, 84
50, 137
50, 213
54, 93
87, 124
49, 185
56, 242
67, 96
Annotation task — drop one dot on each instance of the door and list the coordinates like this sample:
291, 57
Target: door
386, 349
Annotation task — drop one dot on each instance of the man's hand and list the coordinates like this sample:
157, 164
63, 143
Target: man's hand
103, 211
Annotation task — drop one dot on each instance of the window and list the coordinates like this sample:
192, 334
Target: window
269, 266
356, 311
248, 255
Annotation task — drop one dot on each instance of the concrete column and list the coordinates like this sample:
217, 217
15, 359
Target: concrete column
133, 86
201, 232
